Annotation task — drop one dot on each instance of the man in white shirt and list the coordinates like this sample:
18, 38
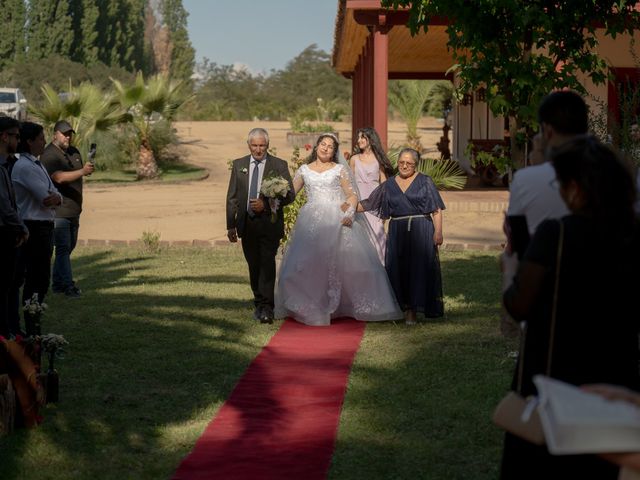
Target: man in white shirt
534, 192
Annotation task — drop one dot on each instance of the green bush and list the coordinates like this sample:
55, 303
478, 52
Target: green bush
291, 211
116, 149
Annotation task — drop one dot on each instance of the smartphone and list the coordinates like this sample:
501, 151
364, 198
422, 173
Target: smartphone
92, 152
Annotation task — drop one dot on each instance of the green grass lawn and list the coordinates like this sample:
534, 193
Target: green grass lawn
174, 172
158, 342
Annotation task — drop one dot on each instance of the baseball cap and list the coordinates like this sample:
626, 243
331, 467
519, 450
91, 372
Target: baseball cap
63, 126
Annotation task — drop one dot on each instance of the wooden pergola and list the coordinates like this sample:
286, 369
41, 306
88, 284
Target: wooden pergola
373, 45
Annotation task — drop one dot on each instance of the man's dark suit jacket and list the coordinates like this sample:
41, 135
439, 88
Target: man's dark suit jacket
239, 190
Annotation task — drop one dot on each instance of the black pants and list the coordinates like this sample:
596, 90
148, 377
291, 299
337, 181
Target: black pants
260, 242
8, 255
33, 266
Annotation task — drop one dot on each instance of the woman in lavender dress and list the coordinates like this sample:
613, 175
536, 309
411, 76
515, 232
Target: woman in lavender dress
371, 167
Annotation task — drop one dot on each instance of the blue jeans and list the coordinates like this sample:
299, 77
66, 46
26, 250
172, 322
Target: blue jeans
65, 239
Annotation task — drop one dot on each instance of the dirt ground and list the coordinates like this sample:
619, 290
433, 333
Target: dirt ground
196, 210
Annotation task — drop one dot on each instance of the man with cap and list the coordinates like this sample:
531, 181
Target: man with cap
66, 168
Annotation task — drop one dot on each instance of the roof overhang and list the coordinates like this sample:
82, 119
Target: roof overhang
424, 55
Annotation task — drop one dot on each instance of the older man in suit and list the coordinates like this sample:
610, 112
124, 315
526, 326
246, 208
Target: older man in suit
249, 217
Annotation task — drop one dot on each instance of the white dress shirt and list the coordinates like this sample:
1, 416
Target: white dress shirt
535, 194
32, 185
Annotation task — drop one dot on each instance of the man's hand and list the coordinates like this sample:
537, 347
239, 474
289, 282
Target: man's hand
52, 200
257, 205
87, 169
232, 234
437, 238
347, 222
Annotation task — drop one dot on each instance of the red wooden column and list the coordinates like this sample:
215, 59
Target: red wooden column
380, 80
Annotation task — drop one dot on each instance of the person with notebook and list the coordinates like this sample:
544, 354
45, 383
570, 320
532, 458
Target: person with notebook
576, 291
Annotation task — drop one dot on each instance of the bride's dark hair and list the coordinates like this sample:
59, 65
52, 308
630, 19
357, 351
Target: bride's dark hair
314, 153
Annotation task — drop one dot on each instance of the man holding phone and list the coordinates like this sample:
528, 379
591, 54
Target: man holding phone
66, 168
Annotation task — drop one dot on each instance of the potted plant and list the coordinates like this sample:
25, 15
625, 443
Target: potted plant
490, 165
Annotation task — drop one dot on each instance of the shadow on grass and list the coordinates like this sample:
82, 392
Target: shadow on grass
420, 398
157, 343
153, 353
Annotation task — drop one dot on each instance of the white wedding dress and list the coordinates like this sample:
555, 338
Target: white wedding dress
329, 270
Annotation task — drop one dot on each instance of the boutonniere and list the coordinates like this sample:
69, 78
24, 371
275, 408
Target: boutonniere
244, 170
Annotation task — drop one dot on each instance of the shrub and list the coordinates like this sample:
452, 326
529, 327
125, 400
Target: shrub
150, 241
291, 211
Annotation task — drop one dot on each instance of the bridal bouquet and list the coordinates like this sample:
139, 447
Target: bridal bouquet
275, 188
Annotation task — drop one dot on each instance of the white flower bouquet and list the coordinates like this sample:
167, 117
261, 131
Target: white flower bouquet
34, 307
274, 188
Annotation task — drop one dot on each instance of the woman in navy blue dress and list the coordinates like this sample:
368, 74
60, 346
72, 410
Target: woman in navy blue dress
413, 204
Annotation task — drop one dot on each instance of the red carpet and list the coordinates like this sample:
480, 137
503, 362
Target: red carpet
281, 420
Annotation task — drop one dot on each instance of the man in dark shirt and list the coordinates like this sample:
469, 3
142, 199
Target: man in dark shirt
65, 166
13, 232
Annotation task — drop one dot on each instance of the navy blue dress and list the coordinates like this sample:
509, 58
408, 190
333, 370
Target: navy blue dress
411, 257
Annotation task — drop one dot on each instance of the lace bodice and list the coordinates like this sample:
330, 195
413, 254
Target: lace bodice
330, 186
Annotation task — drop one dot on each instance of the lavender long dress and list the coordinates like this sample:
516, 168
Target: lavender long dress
367, 177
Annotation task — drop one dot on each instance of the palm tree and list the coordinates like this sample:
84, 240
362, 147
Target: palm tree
145, 104
445, 174
409, 98
85, 107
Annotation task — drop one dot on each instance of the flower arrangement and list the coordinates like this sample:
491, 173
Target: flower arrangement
275, 188
53, 344
33, 307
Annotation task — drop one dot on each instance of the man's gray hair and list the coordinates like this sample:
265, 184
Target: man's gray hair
258, 132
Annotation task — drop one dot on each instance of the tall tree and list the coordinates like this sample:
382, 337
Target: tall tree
174, 16
12, 41
523, 49
84, 23
120, 34
306, 78
48, 28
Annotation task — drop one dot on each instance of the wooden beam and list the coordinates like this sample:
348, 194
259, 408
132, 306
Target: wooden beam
380, 83
363, 4
420, 76
393, 17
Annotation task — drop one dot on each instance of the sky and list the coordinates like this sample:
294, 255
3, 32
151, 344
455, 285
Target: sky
259, 34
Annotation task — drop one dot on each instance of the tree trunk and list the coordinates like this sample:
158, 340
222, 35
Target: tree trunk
147, 167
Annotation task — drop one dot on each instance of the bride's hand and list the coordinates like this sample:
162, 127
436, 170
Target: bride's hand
345, 206
347, 222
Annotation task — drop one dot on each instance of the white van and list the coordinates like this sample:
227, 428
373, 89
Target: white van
13, 104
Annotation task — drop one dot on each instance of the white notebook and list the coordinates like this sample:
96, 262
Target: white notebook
576, 422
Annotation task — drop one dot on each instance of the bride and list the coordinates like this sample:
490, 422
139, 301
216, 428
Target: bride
330, 269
